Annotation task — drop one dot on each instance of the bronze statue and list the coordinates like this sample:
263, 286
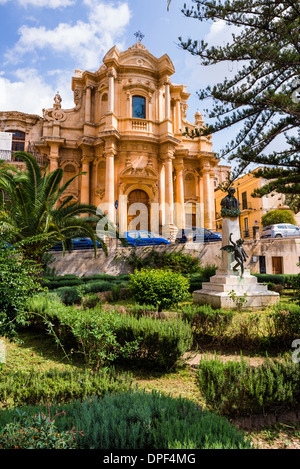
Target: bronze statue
238, 252
230, 205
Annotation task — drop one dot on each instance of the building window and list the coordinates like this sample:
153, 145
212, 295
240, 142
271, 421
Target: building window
18, 140
138, 107
244, 201
246, 228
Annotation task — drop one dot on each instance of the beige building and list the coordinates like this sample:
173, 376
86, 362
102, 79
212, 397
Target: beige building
252, 208
125, 134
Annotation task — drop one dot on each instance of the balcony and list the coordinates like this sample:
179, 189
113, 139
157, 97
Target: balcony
140, 125
9, 156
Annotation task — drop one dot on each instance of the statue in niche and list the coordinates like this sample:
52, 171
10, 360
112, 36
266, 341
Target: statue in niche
230, 205
238, 252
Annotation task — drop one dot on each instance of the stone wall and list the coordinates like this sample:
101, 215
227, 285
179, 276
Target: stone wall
84, 263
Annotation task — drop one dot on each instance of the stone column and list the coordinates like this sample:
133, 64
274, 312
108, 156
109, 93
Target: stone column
167, 99
162, 194
85, 180
111, 90
169, 187
110, 185
212, 198
180, 213
207, 198
177, 115
53, 163
88, 103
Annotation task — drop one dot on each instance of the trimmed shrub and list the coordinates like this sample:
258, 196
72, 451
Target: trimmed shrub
207, 323
162, 288
143, 421
286, 321
235, 388
36, 387
108, 336
278, 216
161, 342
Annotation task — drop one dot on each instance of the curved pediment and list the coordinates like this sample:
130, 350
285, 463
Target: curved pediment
136, 172
139, 56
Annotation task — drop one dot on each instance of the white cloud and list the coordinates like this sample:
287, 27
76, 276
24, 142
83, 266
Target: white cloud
42, 3
85, 41
30, 91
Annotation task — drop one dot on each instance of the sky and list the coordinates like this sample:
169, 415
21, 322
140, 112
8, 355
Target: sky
43, 42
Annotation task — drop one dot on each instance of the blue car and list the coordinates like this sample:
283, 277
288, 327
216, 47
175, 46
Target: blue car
198, 235
144, 238
78, 243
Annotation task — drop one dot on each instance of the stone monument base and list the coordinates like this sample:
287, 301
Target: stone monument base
216, 291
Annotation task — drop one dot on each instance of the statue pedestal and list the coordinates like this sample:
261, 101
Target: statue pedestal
216, 292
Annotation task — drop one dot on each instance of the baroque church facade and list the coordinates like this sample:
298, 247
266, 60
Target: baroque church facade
124, 134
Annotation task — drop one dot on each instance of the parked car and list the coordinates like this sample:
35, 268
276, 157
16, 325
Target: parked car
280, 230
78, 243
144, 238
198, 235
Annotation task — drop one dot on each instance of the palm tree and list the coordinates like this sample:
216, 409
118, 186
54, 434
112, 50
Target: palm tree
31, 217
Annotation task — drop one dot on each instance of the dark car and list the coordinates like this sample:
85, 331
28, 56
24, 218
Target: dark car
144, 238
78, 243
197, 235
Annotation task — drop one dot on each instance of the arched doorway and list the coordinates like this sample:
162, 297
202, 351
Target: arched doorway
138, 216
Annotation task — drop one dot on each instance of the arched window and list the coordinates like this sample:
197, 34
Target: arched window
138, 107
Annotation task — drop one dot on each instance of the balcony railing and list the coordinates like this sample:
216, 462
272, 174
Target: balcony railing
9, 155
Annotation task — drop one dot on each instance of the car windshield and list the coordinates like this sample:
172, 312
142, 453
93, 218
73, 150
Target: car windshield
133, 234
145, 234
267, 228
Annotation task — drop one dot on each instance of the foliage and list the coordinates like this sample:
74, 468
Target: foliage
278, 216
236, 388
162, 288
152, 258
36, 432
260, 99
36, 387
162, 343
106, 337
141, 420
18, 282
207, 323
33, 217
286, 320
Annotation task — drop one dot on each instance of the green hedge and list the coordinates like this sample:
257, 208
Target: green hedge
235, 388
36, 387
109, 337
141, 421
284, 280
207, 323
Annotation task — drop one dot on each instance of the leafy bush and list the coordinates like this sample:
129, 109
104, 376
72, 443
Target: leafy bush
177, 261
36, 432
286, 321
141, 420
36, 387
162, 288
18, 282
236, 388
278, 216
91, 300
108, 336
161, 342
207, 323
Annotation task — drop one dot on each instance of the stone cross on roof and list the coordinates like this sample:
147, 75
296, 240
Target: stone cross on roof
139, 35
